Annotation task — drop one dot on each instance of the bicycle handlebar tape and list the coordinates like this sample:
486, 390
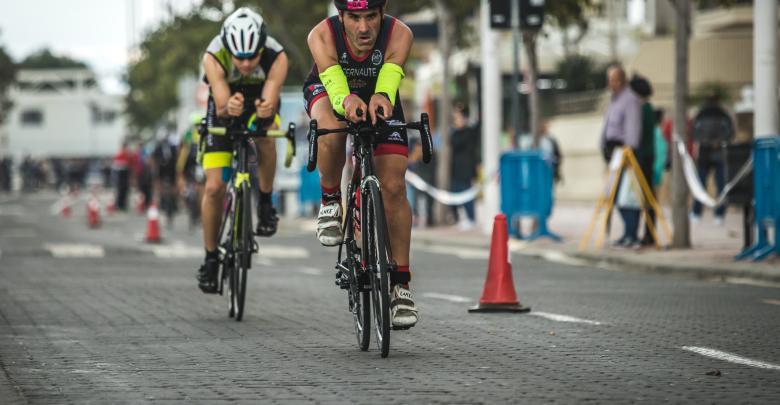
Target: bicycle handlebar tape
312, 146
425, 136
335, 82
499, 293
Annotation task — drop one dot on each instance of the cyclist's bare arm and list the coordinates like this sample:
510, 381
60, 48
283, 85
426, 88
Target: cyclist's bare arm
321, 45
273, 85
219, 86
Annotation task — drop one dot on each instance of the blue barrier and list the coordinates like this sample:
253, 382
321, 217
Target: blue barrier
526, 190
310, 191
766, 180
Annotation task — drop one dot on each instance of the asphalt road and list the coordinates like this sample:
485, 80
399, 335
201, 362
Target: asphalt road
100, 316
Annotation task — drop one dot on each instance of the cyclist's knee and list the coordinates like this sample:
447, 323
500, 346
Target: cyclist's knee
214, 191
394, 189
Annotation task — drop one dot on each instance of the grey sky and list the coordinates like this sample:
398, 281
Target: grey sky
96, 31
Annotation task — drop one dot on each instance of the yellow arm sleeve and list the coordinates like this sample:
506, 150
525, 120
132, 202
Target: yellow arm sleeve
335, 82
389, 80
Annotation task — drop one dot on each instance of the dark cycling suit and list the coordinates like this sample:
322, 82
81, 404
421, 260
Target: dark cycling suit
165, 161
361, 77
217, 150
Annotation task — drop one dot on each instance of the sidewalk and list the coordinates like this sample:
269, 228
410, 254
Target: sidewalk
711, 257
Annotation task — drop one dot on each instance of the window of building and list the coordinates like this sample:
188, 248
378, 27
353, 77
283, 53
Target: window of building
32, 117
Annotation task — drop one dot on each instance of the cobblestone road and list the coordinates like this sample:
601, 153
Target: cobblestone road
129, 325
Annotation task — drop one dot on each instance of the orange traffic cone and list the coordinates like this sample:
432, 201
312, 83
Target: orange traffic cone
111, 206
499, 293
65, 206
93, 212
140, 203
153, 225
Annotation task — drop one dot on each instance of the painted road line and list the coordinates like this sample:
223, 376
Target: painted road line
459, 251
771, 302
177, 251
564, 318
309, 271
446, 297
730, 357
75, 250
263, 261
283, 252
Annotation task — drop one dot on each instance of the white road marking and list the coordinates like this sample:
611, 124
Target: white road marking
263, 261
283, 252
771, 302
177, 251
459, 251
447, 297
748, 281
75, 250
564, 318
730, 357
309, 271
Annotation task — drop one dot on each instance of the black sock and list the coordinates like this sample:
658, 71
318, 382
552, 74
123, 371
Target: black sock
212, 255
265, 198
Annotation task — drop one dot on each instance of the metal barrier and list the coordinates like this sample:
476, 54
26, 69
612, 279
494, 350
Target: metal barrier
766, 183
526, 191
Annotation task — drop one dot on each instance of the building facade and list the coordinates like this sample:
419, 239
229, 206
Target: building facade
61, 113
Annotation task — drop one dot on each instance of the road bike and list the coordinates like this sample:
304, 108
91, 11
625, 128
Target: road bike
364, 261
237, 242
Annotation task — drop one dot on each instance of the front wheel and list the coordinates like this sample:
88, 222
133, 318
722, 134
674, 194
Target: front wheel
375, 242
243, 241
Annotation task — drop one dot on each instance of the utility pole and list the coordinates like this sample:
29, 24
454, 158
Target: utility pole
491, 116
765, 119
515, 24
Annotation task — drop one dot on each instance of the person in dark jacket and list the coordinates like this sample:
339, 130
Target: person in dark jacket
645, 154
712, 130
465, 142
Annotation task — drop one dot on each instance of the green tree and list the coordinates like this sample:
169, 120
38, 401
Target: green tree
7, 74
175, 48
168, 53
45, 59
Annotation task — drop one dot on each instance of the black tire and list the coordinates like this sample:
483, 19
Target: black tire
362, 315
243, 243
375, 244
228, 257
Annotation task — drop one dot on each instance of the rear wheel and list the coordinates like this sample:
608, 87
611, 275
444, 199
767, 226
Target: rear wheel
376, 246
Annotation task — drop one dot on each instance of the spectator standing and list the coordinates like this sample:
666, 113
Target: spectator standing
712, 130
622, 127
465, 143
645, 154
121, 168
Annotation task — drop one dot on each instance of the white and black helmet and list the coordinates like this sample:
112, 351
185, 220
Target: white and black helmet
243, 33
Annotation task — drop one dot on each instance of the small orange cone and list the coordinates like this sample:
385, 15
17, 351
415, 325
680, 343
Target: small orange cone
93, 212
111, 206
65, 206
499, 293
140, 203
153, 225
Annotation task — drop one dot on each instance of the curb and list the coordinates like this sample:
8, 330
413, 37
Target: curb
620, 263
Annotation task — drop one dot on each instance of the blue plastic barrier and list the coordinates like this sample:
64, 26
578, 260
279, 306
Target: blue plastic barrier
310, 192
526, 190
766, 180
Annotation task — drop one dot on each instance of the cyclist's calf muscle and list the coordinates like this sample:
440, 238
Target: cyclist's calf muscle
211, 207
